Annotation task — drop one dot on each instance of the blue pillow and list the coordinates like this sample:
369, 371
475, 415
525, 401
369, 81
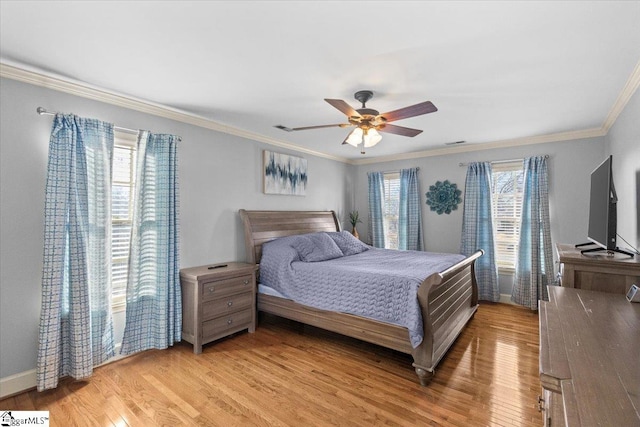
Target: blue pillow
347, 243
316, 247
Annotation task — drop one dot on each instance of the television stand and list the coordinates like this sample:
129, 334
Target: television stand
599, 249
585, 244
597, 271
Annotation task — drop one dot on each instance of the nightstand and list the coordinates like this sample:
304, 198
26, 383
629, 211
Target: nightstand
217, 300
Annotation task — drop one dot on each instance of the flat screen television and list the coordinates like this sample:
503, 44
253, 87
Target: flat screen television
602, 207
602, 210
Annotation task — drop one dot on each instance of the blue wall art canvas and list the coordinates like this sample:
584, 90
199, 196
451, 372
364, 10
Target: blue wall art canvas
284, 174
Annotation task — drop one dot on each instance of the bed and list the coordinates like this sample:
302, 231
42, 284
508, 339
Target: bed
447, 299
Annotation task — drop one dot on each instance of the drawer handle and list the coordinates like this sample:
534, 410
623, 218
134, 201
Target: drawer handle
230, 303
212, 289
246, 281
230, 321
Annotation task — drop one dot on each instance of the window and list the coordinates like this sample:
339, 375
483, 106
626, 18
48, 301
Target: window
507, 186
391, 209
122, 197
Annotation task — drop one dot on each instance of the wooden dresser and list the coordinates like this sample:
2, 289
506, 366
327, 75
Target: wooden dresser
597, 271
589, 359
217, 300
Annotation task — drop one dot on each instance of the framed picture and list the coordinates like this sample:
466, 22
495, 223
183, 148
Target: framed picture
284, 174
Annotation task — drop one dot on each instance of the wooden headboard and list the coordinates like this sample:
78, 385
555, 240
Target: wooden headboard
261, 227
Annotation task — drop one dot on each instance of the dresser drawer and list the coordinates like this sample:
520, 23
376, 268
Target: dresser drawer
226, 305
220, 326
220, 288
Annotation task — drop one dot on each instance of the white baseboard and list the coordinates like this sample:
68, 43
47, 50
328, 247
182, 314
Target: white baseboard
17, 383
506, 299
115, 358
23, 381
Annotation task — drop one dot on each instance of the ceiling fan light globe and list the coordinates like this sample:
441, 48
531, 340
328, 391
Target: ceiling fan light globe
372, 138
355, 137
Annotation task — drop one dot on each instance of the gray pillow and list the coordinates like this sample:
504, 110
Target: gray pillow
316, 247
347, 243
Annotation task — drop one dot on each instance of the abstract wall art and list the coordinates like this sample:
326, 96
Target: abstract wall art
284, 174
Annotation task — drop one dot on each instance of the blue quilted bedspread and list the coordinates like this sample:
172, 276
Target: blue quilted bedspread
379, 284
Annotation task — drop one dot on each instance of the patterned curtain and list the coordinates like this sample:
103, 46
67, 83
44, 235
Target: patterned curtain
76, 331
154, 306
534, 268
477, 229
376, 212
410, 215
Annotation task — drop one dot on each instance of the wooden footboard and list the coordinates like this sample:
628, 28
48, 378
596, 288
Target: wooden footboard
447, 299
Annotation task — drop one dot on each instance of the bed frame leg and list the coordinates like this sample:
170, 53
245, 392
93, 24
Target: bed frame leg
424, 376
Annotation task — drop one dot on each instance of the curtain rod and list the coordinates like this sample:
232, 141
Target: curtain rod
43, 111
496, 162
398, 170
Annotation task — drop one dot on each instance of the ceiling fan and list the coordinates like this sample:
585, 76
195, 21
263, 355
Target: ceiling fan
369, 121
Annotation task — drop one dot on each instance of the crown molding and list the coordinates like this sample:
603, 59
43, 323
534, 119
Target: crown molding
38, 78
87, 91
629, 89
625, 95
540, 139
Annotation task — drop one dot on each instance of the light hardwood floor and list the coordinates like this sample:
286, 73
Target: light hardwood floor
287, 374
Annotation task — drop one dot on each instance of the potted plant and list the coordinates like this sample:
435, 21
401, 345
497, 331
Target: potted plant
354, 219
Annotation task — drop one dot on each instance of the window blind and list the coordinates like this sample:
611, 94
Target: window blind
391, 209
122, 198
507, 186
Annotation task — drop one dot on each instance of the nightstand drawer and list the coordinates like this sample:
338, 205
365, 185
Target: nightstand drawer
226, 305
220, 288
224, 324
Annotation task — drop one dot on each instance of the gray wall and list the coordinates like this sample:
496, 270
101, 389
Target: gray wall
570, 166
218, 174
623, 142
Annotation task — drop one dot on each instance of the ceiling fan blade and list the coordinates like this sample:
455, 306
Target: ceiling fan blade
399, 130
411, 111
287, 129
344, 107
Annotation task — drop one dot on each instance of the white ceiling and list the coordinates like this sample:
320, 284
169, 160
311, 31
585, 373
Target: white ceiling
495, 70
